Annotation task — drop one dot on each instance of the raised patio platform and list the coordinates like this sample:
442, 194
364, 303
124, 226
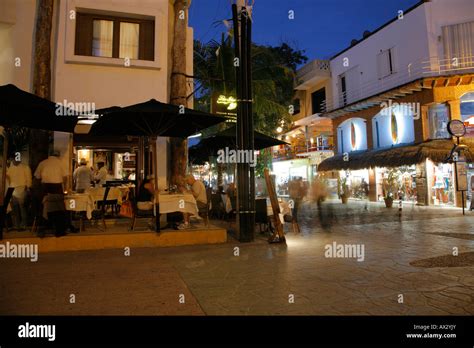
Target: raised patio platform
120, 238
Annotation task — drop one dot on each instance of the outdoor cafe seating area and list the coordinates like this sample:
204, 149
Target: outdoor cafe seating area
125, 139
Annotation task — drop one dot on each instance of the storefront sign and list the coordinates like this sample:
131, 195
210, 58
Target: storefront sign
456, 128
461, 176
224, 105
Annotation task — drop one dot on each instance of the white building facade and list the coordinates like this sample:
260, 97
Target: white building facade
103, 53
394, 92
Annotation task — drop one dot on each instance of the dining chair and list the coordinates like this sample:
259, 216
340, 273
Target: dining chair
217, 206
3, 212
99, 212
138, 213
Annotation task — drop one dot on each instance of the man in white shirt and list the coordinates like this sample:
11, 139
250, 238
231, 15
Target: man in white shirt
82, 176
100, 176
51, 172
19, 177
53, 176
198, 190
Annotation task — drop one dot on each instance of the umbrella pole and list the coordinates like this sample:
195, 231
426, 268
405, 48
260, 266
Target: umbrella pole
3, 183
155, 175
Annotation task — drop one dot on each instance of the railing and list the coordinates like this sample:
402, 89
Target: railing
293, 151
427, 67
316, 65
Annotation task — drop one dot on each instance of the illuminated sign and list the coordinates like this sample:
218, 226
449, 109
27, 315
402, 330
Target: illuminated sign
224, 105
230, 102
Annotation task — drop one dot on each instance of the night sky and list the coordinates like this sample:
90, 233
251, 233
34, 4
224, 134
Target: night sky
320, 27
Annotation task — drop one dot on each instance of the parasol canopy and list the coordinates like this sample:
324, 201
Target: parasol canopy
22, 109
227, 138
152, 118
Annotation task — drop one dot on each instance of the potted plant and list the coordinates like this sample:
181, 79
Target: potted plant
343, 190
390, 186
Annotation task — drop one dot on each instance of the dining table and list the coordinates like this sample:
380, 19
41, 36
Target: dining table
177, 202
79, 202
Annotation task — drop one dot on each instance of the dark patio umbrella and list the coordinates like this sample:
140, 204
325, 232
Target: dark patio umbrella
152, 118
209, 146
22, 109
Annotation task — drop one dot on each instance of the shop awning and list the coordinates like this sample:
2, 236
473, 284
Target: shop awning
436, 150
209, 146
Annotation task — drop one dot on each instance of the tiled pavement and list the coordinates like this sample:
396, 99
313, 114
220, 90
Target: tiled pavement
263, 279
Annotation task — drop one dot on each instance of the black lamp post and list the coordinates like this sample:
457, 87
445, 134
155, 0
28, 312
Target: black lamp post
245, 141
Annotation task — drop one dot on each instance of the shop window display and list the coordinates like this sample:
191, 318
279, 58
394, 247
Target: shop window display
405, 182
442, 191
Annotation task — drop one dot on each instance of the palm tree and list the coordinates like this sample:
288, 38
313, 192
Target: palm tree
273, 74
272, 80
39, 140
178, 159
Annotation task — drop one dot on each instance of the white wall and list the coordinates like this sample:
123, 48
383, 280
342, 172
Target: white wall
107, 81
344, 143
405, 127
102, 81
416, 38
442, 13
407, 35
17, 19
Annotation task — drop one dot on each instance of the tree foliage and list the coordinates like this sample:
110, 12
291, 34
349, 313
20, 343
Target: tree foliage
273, 75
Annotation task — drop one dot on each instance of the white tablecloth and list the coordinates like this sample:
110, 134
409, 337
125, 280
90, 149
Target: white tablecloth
80, 202
185, 203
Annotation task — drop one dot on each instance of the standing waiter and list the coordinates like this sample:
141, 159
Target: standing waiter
53, 176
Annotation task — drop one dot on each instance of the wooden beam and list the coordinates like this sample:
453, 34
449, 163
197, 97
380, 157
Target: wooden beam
427, 84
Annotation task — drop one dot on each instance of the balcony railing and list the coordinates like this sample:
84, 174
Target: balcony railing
291, 152
429, 67
312, 69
